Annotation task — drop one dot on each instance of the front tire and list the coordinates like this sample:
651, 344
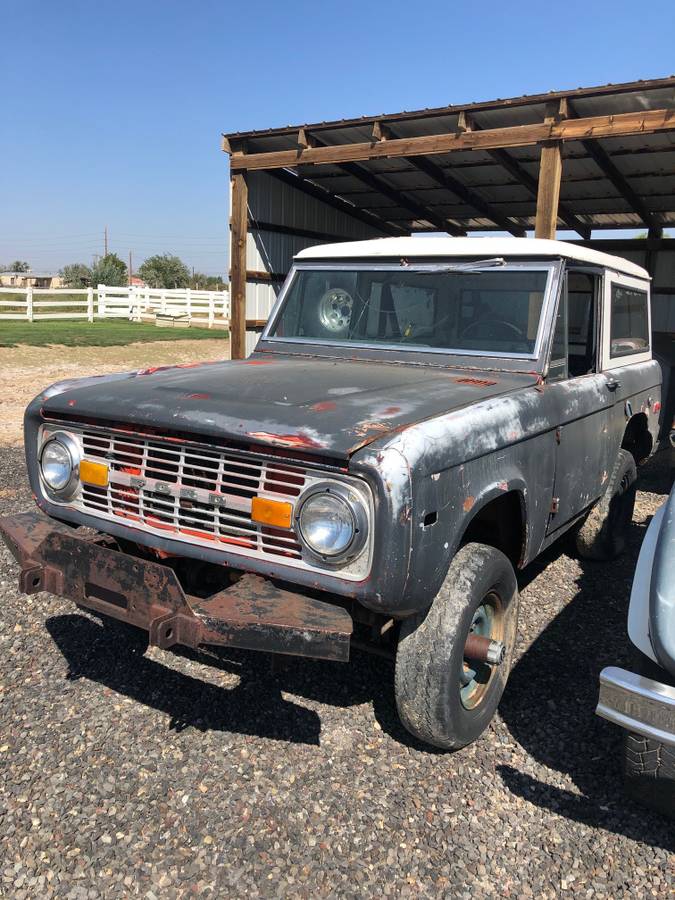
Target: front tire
444, 698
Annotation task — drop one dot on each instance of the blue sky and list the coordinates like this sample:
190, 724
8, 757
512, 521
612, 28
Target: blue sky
112, 111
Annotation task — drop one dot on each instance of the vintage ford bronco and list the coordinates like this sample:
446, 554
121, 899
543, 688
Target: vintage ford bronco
420, 418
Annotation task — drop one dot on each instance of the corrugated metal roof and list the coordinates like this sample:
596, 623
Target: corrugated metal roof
499, 182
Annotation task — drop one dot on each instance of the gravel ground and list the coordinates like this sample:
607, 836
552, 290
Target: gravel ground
172, 779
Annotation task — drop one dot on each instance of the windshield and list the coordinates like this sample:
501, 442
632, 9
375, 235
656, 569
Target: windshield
476, 311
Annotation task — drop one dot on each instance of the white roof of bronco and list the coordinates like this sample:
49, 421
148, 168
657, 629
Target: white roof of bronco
416, 247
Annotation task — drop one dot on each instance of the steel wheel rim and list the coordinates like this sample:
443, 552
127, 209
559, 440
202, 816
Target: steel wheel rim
475, 677
335, 310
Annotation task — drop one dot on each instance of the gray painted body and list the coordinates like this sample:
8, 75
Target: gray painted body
436, 439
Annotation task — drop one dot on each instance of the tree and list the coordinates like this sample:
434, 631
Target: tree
19, 266
109, 270
76, 275
164, 271
203, 282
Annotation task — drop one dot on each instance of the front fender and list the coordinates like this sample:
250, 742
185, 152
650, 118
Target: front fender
455, 497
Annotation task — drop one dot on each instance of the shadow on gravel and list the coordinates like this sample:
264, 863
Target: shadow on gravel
255, 706
550, 700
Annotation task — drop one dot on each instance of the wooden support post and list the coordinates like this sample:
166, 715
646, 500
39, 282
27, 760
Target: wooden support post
548, 195
239, 230
550, 176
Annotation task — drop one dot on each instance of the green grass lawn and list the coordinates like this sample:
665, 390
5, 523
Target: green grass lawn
110, 333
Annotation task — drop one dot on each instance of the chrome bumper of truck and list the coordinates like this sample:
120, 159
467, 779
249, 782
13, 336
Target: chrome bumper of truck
637, 704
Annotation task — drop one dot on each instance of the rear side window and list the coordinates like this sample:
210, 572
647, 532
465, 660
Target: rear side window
629, 331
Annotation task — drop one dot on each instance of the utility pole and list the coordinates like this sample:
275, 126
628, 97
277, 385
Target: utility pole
131, 271
105, 241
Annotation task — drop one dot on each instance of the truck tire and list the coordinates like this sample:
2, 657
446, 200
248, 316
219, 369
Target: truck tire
603, 534
649, 773
442, 698
649, 765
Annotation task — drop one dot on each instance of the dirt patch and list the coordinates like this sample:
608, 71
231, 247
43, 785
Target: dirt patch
27, 370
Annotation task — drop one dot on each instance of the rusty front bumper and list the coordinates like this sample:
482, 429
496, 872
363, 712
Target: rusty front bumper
253, 613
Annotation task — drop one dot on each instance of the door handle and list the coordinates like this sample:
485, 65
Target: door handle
612, 383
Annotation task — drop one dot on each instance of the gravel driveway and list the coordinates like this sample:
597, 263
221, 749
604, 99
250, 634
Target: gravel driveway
172, 779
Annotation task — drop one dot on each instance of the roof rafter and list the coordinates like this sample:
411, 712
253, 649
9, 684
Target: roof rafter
307, 187
448, 182
531, 184
400, 198
607, 166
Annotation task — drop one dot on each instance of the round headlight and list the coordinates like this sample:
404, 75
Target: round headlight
332, 521
57, 464
327, 524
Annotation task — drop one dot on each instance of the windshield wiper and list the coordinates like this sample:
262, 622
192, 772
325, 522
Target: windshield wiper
434, 268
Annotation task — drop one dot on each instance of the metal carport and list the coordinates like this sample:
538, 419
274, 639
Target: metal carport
581, 161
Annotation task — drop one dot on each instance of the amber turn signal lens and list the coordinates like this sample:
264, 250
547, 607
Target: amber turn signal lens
271, 512
94, 473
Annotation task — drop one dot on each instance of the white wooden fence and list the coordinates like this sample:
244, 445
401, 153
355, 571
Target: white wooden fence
206, 308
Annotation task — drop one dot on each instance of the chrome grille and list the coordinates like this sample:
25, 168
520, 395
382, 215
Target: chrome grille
200, 493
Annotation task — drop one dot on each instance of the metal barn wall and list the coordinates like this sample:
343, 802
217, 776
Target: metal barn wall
273, 201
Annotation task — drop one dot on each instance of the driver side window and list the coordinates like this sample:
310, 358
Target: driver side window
574, 347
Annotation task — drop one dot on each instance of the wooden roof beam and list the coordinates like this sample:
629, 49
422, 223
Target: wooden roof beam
622, 124
606, 165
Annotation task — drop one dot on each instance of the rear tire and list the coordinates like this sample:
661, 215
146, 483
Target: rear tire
438, 701
603, 534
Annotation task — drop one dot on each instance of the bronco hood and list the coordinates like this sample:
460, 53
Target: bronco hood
324, 407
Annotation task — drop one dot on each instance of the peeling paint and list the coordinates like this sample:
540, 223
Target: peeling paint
323, 406
302, 439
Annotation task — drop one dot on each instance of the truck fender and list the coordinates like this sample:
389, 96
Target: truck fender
638, 607
513, 483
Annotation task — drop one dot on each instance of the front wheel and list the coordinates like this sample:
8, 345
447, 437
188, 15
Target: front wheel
453, 661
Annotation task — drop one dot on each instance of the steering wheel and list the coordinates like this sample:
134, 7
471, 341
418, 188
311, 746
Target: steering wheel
491, 322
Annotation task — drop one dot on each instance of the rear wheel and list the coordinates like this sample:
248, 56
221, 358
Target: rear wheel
452, 661
603, 534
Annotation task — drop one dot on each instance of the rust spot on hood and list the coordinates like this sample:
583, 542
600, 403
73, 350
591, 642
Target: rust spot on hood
468, 504
323, 406
287, 440
364, 429
479, 382
189, 365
